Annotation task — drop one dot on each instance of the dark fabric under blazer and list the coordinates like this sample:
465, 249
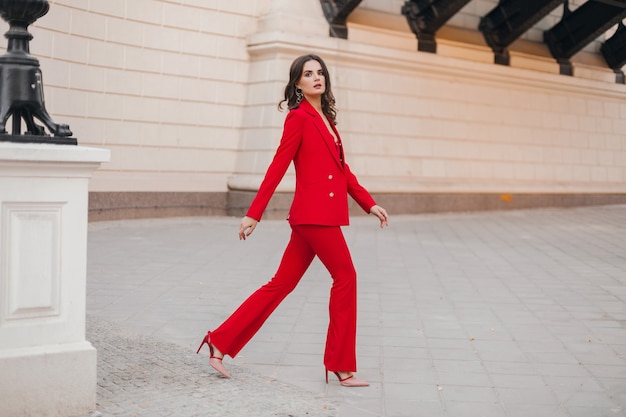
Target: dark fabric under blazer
323, 179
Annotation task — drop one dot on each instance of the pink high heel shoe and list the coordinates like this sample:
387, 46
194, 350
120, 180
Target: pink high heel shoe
214, 361
349, 381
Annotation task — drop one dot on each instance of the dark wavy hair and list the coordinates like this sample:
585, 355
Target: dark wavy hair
295, 73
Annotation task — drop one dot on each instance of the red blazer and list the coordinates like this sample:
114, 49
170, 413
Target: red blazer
323, 179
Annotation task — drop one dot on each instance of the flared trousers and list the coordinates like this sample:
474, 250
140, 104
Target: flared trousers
306, 242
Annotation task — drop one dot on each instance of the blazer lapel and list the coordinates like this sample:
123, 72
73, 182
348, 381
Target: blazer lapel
327, 137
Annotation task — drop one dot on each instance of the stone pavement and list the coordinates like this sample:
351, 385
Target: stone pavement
143, 376
497, 314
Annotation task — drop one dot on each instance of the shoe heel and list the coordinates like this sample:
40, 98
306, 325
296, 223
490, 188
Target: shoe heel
204, 341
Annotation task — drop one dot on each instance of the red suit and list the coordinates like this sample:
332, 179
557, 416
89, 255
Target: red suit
319, 208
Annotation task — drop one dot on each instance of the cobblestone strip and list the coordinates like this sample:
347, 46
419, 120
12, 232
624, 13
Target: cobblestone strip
140, 376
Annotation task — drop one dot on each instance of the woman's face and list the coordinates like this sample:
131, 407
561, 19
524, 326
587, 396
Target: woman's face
312, 82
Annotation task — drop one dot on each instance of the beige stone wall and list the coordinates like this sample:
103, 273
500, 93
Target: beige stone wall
184, 94
452, 121
160, 83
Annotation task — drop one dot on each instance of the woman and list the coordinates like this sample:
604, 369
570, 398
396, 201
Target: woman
319, 208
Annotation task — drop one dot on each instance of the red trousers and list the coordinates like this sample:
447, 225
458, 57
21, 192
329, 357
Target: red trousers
307, 241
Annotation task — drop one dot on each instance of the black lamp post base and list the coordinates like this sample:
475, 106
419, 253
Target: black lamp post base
21, 84
56, 140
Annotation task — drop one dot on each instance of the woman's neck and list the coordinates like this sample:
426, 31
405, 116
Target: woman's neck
316, 102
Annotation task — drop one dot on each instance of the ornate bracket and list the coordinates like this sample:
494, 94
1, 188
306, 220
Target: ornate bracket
509, 20
337, 12
425, 17
580, 27
614, 52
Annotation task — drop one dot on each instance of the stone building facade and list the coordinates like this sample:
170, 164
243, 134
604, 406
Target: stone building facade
184, 93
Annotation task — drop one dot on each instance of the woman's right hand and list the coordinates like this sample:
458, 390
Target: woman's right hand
382, 215
247, 227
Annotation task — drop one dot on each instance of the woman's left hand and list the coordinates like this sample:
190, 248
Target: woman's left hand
248, 224
382, 215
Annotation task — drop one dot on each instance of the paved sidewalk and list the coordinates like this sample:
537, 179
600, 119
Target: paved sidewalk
499, 314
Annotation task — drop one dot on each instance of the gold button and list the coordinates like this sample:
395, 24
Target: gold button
330, 177
331, 194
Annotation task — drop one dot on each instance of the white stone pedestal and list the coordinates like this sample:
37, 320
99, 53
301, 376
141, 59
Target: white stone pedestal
47, 367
